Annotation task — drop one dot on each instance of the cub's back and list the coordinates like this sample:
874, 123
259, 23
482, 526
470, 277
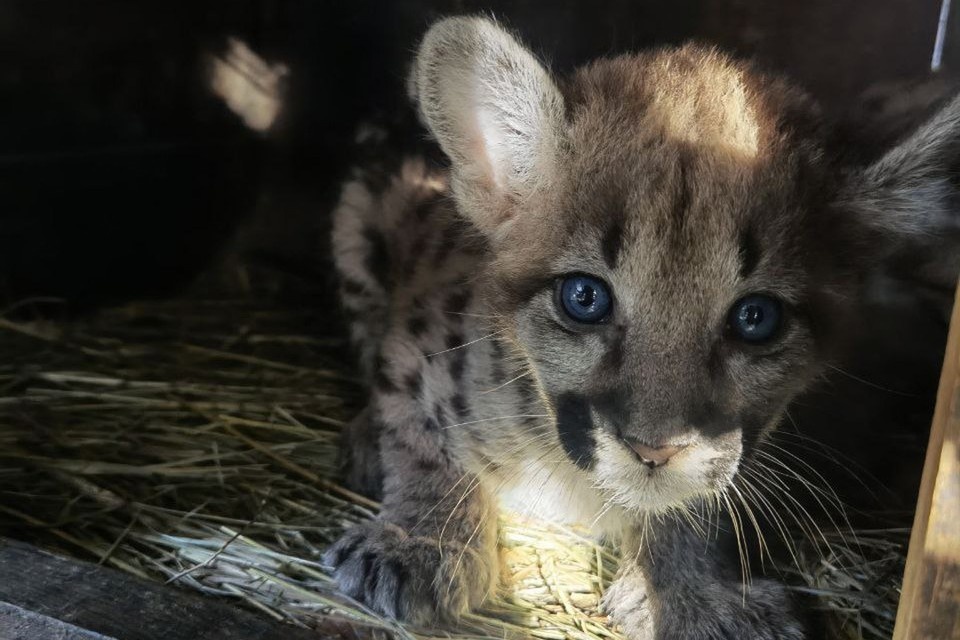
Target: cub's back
397, 243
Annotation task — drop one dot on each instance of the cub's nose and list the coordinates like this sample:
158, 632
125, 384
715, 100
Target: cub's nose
653, 456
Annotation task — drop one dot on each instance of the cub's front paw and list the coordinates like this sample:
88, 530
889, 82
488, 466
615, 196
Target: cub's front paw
409, 578
628, 605
720, 610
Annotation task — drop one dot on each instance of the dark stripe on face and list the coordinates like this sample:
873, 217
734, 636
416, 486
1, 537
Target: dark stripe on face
612, 244
613, 406
575, 427
714, 363
527, 393
518, 291
497, 373
749, 253
613, 358
683, 186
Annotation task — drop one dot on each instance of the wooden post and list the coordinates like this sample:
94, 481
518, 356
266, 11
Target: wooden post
930, 600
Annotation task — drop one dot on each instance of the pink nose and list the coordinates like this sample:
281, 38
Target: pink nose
653, 456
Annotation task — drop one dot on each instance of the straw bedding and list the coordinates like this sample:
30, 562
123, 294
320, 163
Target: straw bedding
194, 441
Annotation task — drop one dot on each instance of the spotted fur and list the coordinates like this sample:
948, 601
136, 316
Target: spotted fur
685, 181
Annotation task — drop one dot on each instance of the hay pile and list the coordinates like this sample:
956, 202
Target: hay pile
193, 441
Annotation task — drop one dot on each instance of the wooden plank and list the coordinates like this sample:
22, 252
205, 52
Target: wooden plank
930, 600
19, 624
109, 603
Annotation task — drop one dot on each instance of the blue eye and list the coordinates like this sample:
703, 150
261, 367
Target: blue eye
585, 299
756, 317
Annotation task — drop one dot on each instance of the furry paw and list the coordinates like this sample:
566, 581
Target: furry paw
719, 610
408, 578
627, 603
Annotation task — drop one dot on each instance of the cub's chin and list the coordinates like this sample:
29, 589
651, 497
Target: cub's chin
705, 467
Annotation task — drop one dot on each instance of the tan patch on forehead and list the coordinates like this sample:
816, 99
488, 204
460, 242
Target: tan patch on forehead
691, 96
673, 154
708, 107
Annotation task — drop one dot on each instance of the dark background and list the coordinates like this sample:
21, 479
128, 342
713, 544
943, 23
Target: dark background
122, 177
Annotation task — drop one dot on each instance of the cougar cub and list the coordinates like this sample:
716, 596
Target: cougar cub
598, 312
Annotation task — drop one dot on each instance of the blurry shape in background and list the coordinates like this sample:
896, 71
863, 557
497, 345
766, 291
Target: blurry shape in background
250, 86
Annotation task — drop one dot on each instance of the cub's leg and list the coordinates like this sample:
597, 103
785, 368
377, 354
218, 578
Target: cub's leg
679, 586
431, 554
360, 463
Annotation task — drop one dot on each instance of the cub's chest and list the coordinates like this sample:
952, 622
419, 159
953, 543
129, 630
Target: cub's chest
551, 488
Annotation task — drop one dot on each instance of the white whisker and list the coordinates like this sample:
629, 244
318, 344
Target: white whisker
507, 383
465, 344
521, 415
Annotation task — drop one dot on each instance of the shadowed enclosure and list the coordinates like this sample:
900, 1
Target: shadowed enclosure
174, 367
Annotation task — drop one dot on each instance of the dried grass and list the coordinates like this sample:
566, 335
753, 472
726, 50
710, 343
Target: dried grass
194, 442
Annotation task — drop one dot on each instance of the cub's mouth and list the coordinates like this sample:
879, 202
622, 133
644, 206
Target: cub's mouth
644, 478
640, 474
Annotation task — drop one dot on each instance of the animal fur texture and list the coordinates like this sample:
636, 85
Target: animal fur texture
684, 181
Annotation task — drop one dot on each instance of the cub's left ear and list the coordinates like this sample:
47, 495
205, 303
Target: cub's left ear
495, 110
913, 191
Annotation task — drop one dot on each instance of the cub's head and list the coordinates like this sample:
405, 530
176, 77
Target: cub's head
674, 250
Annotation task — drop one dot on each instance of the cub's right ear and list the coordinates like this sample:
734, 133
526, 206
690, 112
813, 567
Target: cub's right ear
913, 191
495, 111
